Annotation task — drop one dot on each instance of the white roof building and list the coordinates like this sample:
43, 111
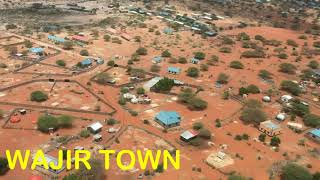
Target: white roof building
95, 127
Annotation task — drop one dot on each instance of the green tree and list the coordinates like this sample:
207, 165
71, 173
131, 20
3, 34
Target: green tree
141, 90
46, 122
262, 137
193, 72
291, 87
142, 51
28, 44
166, 53
275, 141
38, 96
197, 126
164, 85
237, 177
65, 121
103, 78
295, 172
61, 63
264, 74
254, 115
111, 63
204, 133
197, 104
70, 177
223, 78
311, 120
313, 64
299, 108
253, 89
84, 133
84, 52
106, 38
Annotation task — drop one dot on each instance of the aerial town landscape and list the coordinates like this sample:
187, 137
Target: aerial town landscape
234, 85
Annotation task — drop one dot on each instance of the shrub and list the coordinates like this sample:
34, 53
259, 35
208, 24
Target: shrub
275, 141
254, 115
84, 52
141, 90
185, 95
38, 96
225, 50
259, 38
164, 85
106, 38
122, 101
61, 63
103, 78
197, 104
213, 60
28, 44
111, 122
205, 134
283, 56
295, 172
227, 41
4, 167
298, 108
253, 54
291, 87
243, 37
292, 43
142, 51
264, 74
111, 63
204, 67
313, 64
243, 91
237, 177
223, 78
287, 68
262, 137
316, 44
166, 53
182, 60
193, 72
155, 68
199, 55
85, 133
197, 126
65, 121
45, 122
311, 120
236, 65
173, 60
253, 89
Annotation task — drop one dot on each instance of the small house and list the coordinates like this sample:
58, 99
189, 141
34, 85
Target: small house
85, 63
37, 50
111, 31
95, 127
168, 31
266, 99
270, 128
97, 137
194, 60
211, 33
281, 117
157, 59
56, 39
314, 135
286, 98
168, 119
126, 36
174, 70
50, 160
81, 39
188, 135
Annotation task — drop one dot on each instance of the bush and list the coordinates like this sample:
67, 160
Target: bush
243, 37
254, 115
70, 177
298, 108
173, 60
291, 87
253, 54
227, 41
292, 43
236, 65
205, 134
225, 50
243, 91
213, 60
237, 177
264, 74
111, 122
103, 78
4, 167
316, 44
142, 51
204, 67
65, 121
182, 60
85, 133
3, 65
111, 63
223, 78
45, 122
275, 141
313, 64
84, 52
61, 63
287, 68
140, 90
106, 38
197, 126
253, 89
295, 172
166, 53
262, 137
259, 38
185, 95
199, 55
311, 120
283, 56
122, 101
28, 44
193, 72
155, 68
197, 104
38, 96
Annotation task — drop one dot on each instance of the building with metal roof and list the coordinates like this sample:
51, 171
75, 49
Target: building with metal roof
168, 118
56, 39
148, 85
95, 127
168, 31
270, 128
174, 70
157, 59
314, 134
49, 159
188, 135
86, 62
36, 50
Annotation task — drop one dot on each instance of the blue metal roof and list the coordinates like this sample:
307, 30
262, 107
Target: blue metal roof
271, 125
57, 39
315, 132
168, 117
157, 59
36, 50
174, 69
86, 62
168, 31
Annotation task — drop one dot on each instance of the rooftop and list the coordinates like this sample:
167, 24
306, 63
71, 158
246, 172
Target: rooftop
188, 134
95, 126
315, 132
86, 62
55, 38
174, 69
36, 50
168, 117
269, 124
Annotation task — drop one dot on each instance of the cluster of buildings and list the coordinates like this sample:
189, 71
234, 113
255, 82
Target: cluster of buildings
142, 99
